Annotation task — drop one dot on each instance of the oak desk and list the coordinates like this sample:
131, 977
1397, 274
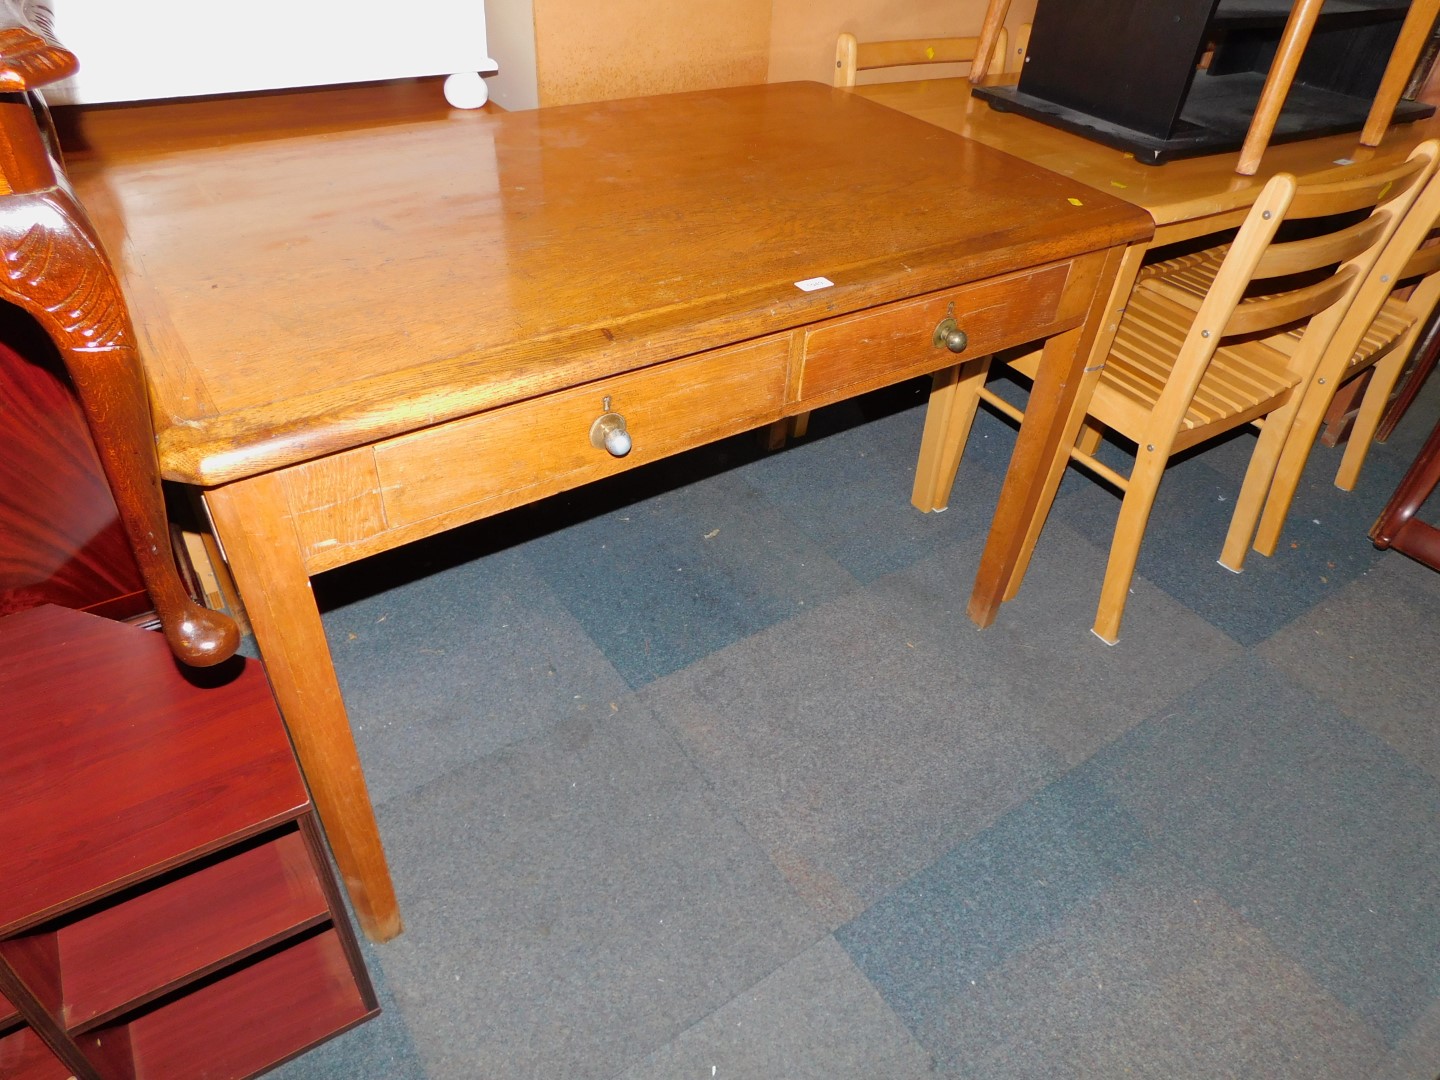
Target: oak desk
360, 334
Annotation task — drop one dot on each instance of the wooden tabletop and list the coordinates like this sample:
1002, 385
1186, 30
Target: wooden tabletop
303, 291
1178, 191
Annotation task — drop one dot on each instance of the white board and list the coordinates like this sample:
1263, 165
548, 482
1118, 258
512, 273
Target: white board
139, 50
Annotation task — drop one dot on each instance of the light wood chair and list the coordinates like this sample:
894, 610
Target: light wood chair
1379, 331
1189, 363
853, 56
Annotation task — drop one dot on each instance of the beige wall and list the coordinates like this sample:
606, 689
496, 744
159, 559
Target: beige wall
588, 50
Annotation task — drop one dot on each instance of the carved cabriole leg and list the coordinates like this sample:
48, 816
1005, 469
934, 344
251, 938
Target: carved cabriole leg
55, 270
253, 521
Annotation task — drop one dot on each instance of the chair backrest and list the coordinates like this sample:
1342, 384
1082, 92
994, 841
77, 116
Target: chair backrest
852, 55
57, 271
1403, 262
1268, 285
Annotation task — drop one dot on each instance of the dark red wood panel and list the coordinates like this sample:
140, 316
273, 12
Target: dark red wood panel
60, 537
116, 765
158, 939
24, 1057
251, 1019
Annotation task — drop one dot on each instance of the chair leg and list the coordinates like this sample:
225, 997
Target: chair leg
1397, 526
1125, 547
1367, 419
954, 396
1259, 478
1297, 439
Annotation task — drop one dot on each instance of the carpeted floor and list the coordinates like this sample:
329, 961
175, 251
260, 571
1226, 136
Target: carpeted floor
703, 773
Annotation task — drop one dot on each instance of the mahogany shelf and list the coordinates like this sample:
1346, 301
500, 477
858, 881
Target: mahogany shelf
24, 1056
169, 911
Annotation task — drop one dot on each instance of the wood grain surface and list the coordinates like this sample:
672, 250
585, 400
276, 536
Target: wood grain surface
300, 296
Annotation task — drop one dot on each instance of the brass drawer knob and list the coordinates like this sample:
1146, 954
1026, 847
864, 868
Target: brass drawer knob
608, 433
949, 334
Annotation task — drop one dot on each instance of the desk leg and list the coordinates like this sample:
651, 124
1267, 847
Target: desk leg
253, 522
1052, 420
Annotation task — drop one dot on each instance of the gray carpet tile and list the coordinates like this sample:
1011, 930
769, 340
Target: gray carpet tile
849, 492
1187, 529
574, 903
853, 752
1417, 1057
662, 582
1067, 687
1315, 830
489, 657
816, 1018
1370, 651
994, 896
1149, 979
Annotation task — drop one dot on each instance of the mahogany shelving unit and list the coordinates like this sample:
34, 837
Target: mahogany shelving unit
167, 908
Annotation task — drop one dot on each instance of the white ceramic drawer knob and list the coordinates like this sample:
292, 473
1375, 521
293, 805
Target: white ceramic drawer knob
608, 433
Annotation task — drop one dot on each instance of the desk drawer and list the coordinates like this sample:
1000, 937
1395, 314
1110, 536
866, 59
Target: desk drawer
523, 452
879, 347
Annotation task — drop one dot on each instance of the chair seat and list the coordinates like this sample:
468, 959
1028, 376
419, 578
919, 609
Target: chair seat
1143, 355
1192, 275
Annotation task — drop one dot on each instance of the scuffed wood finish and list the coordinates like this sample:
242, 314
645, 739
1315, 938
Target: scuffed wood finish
363, 336
380, 281
56, 269
252, 518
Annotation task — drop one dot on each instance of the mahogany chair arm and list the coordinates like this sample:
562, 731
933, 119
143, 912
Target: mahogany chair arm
52, 265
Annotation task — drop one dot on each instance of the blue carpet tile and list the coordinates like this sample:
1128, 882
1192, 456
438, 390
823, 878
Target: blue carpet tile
702, 773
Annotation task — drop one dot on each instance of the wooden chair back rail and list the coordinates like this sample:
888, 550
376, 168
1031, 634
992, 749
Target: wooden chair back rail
57, 271
1299, 256
853, 55
1379, 332
1423, 263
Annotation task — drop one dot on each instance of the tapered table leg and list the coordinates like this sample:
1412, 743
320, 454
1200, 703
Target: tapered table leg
253, 522
1053, 413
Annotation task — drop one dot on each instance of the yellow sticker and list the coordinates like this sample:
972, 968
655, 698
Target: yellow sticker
1074, 201
930, 52
1116, 183
1385, 190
